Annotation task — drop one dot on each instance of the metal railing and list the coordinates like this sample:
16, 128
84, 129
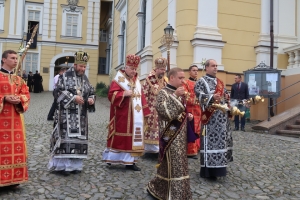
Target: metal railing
271, 106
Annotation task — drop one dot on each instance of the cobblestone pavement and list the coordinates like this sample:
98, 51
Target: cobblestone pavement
264, 166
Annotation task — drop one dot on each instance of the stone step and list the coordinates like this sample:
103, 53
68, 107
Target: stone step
298, 121
289, 133
293, 127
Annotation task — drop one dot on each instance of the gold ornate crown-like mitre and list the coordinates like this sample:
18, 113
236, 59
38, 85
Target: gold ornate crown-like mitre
161, 62
81, 57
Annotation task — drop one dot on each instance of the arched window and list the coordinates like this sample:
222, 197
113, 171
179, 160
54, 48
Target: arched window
123, 32
144, 24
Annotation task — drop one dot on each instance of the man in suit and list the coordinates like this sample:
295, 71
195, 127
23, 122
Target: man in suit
239, 91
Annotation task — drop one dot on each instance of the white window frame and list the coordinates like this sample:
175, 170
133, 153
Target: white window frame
34, 7
103, 35
1, 16
72, 23
28, 55
66, 10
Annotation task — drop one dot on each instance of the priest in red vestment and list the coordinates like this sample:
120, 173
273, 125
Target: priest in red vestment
125, 140
194, 108
152, 85
14, 100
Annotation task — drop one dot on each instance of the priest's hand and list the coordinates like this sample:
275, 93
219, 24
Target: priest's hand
79, 100
190, 116
12, 99
91, 101
127, 93
179, 91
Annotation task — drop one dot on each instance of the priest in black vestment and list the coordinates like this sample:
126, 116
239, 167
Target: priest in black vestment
36, 82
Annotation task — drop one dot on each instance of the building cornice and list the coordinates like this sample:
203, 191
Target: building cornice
32, 2
207, 40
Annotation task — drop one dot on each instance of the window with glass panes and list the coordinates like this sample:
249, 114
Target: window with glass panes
33, 15
103, 36
33, 19
72, 24
31, 62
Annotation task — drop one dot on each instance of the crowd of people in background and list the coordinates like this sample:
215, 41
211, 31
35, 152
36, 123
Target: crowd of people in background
34, 81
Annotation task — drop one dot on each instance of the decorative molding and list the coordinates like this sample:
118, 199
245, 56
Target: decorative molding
120, 5
291, 48
146, 62
173, 53
209, 49
79, 23
263, 55
70, 37
65, 7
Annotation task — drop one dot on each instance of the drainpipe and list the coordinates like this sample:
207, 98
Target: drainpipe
271, 50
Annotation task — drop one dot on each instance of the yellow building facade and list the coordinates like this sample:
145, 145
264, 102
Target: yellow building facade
63, 30
233, 32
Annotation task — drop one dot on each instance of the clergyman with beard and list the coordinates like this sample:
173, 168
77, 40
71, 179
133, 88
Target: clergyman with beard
75, 97
155, 81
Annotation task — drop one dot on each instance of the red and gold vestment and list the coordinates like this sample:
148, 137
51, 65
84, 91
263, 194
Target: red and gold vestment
152, 85
13, 153
194, 108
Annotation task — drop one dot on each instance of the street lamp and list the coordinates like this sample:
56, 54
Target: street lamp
168, 40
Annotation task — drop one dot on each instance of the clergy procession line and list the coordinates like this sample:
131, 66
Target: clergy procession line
167, 107
171, 116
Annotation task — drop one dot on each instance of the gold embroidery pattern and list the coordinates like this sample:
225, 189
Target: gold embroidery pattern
121, 79
138, 108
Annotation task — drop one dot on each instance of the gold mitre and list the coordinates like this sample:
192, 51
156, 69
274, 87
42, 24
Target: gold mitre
161, 62
81, 57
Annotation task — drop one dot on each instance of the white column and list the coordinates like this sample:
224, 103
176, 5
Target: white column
262, 50
96, 22
1, 17
149, 14
54, 20
93, 21
207, 40
140, 16
207, 27
12, 19
172, 15
120, 38
51, 77
20, 18
46, 21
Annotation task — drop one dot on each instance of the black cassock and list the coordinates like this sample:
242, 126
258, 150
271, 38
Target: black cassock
36, 83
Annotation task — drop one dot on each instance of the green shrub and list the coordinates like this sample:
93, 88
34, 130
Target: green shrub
100, 85
102, 89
